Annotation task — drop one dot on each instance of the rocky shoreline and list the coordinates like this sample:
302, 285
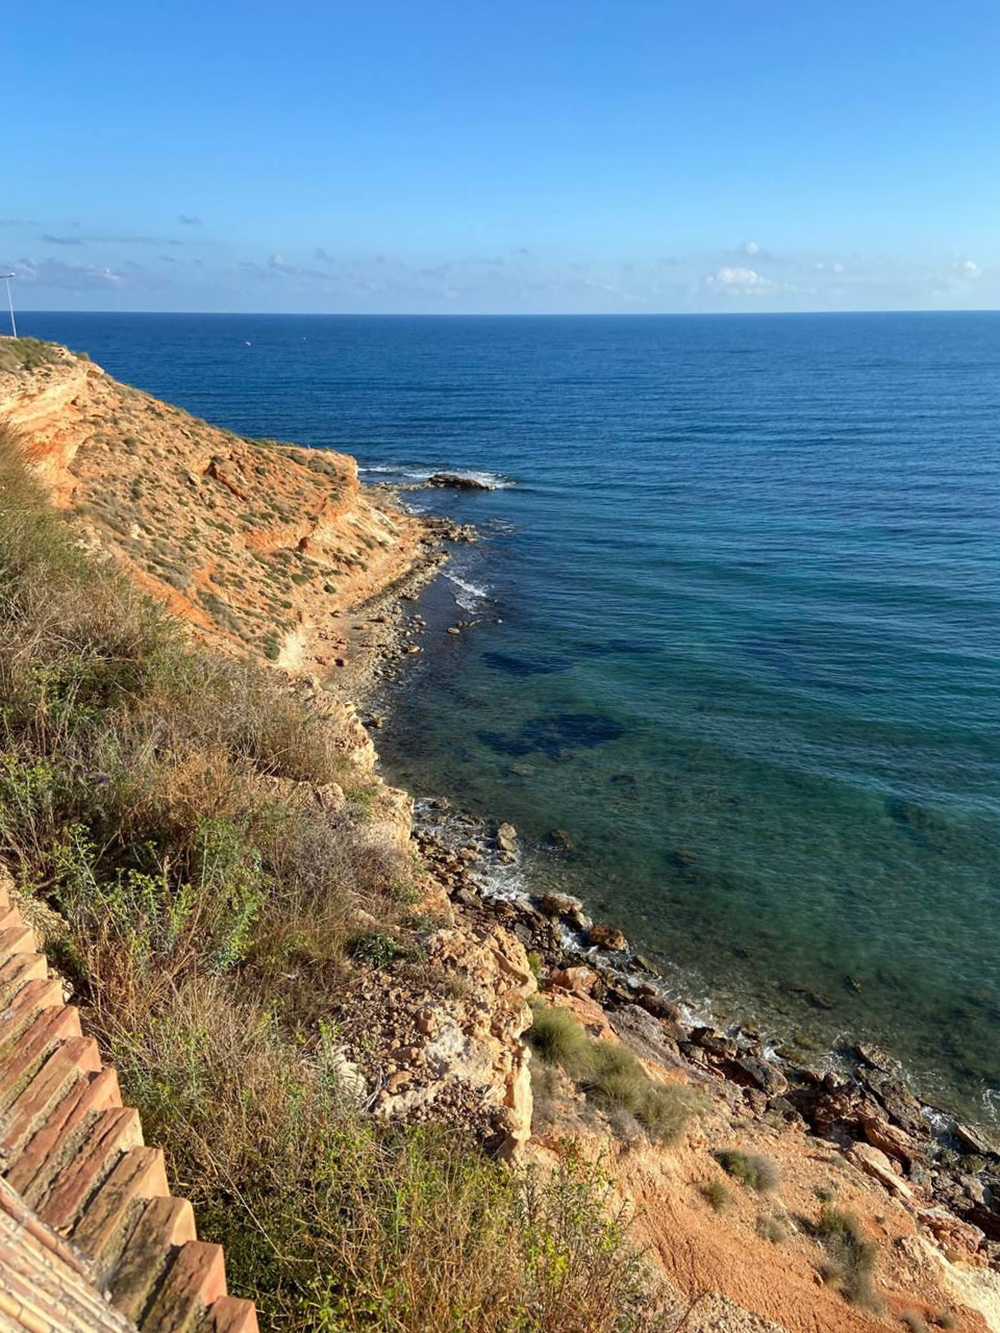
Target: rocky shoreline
379, 637
947, 1173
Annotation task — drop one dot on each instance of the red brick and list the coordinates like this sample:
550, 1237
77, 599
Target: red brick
164, 1224
38, 1162
67, 1063
64, 1197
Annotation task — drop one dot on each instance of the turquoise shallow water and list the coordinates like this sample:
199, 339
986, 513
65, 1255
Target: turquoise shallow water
738, 627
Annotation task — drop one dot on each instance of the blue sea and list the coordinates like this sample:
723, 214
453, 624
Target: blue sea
735, 627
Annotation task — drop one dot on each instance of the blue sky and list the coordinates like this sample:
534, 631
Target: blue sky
525, 156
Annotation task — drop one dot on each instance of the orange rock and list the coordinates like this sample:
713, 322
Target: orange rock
579, 979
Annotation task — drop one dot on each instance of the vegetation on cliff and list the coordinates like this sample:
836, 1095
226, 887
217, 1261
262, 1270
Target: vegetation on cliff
27, 353
165, 802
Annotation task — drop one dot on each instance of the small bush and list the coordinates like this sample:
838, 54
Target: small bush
618, 1081
775, 1229
717, 1195
914, 1321
558, 1038
376, 949
756, 1173
851, 1265
612, 1077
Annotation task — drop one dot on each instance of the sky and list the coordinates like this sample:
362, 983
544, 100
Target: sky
523, 156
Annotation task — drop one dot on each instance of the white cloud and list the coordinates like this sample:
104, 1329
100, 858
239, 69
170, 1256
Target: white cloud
751, 248
65, 277
739, 281
970, 269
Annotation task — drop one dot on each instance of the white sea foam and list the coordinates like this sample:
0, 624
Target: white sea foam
403, 472
492, 479
469, 595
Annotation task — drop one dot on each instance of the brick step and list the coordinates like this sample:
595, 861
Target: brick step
44, 1286
63, 1197
74, 1158
67, 1065
195, 1280
103, 1229
21, 1060
27, 1004
57, 1138
15, 938
162, 1227
230, 1314
19, 966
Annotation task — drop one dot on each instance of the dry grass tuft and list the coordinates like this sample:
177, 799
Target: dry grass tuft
850, 1267
756, 1173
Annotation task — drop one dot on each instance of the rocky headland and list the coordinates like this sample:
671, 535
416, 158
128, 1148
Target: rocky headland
763, 1186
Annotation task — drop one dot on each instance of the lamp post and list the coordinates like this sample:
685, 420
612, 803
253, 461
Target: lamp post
10, 302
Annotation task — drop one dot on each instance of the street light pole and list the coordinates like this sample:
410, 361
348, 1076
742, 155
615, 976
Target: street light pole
10, 302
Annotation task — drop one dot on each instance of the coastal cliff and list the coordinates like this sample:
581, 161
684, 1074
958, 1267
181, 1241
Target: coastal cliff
273, 956
259, 546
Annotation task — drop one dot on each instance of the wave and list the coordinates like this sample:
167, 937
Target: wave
469, 595
403, 472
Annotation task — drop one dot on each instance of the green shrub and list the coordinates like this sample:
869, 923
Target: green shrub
717, 1195
611, 1076
850, 1266
557, 1036
617, 1081
756, 1173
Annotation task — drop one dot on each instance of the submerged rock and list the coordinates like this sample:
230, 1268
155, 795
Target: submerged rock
560, 839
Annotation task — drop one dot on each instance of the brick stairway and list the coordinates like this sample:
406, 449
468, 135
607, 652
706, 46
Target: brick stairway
82, 1201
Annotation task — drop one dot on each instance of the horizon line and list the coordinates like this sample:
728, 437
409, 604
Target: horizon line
512, 314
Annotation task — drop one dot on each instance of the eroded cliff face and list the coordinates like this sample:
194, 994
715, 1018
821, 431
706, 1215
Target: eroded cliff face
261, 547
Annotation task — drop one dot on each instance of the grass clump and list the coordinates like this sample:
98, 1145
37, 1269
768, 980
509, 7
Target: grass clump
27, 353
617, 1081
850, 1266
717, 1195
558, 1037
775, 1228
612, 1077
914, 1321
754, 1172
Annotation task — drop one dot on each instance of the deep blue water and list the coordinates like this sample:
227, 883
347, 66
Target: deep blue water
747, 577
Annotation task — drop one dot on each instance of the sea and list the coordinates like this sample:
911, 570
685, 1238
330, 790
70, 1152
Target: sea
733, 626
